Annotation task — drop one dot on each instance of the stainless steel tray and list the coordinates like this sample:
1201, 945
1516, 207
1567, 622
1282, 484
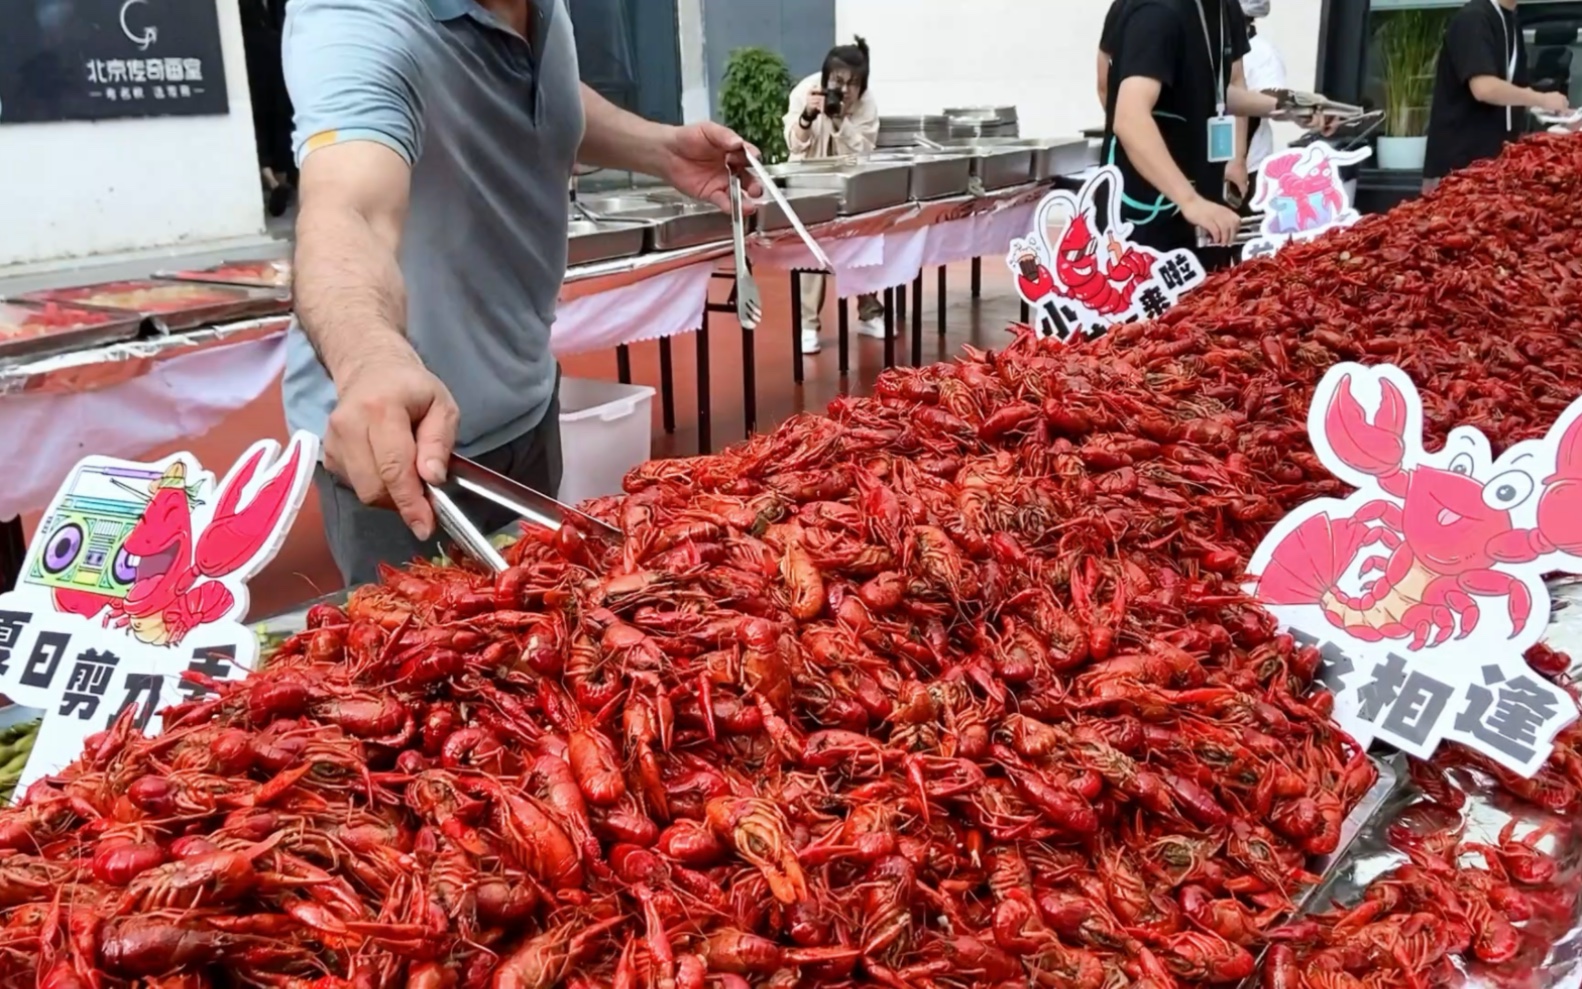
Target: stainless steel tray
117, 327
270, 274
812, 205
1002, 168
588, 243
173, 306
934, 176
861, 188
670, 224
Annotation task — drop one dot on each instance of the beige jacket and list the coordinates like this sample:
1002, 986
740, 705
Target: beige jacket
858, 132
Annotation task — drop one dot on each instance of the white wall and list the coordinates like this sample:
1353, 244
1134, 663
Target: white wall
1037, 56
77, 189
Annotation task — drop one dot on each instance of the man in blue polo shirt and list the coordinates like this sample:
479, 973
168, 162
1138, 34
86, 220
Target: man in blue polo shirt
436, 140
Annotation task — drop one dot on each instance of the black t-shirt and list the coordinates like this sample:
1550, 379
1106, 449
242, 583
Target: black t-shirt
1112, 25
1164, 40
1481, 40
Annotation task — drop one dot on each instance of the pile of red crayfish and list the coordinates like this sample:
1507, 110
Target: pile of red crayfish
952, 686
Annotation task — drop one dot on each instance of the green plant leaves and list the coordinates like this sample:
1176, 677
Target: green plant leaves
753, 102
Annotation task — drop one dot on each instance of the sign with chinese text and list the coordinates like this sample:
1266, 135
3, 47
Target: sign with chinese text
1080, 272
108, 59
138, 574
1425, 587
1301, 195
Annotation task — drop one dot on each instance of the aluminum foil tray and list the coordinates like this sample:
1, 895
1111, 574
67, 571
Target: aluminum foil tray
36, 329
171, 307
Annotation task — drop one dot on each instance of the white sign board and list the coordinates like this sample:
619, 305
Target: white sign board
1080, 271
1425, 586
138, 574
1301, 195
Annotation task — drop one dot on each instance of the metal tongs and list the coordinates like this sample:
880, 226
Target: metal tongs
768, 182
470, 477
1299, 107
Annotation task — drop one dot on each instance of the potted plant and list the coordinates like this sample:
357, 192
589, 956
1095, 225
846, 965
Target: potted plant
753, 102
1408, 43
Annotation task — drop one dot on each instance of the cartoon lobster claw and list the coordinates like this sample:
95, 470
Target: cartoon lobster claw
177, 586
1445, 531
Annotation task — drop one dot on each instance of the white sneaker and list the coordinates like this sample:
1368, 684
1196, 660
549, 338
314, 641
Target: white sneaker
873, 327
810, 343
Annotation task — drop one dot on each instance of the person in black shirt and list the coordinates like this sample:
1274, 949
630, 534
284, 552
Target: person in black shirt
1176, 68
1481, 76
1112, 23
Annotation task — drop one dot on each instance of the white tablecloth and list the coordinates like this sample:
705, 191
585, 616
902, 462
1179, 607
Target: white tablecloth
665, 305
187, 395
875, 262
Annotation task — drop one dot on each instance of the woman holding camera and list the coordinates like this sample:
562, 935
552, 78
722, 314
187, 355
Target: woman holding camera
832, 115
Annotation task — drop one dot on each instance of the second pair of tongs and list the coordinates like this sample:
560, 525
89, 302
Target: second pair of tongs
768, 182
1295, 105
470, 477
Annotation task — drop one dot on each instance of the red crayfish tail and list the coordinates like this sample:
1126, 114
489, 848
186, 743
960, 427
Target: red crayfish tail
1375, 448
1310, 560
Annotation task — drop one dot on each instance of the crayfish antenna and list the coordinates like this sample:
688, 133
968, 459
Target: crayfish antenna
1375, 448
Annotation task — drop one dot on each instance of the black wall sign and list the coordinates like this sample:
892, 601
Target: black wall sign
109, 59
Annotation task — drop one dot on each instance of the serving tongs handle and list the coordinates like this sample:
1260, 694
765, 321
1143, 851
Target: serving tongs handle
459, 527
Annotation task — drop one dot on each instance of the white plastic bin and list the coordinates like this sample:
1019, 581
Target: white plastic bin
606, 429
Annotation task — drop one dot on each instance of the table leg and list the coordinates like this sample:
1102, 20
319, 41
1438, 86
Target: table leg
705, 440
977, 278
900, 307
944, 286
1027, 312
13, 550
750, 379
845, 336
889, 328
623, 364
796, 326
667, 385
917, 320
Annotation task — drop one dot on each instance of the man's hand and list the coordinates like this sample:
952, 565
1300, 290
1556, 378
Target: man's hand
1555, 103
699, 157
1213, 219
392, 429
1236, 175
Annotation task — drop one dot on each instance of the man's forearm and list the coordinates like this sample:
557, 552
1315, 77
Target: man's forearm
1148, 153
614, 138
350, 297
1498, 92
1243, 102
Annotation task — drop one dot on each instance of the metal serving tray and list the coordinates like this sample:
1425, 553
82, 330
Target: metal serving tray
669, 225
174, 306
998, 165
861, 188
273, 274
99, 327
813, 206
590, 243
934, 176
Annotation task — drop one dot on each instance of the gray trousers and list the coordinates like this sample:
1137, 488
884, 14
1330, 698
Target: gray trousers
362, 537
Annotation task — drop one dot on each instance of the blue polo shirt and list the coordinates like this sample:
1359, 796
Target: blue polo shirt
490, 123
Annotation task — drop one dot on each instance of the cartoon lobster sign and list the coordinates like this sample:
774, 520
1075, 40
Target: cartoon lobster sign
177, 585
1443, 532
1093, 263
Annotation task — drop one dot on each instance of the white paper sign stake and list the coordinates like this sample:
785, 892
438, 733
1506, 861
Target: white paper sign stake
137, 574
1080, 271
1301, 195
1425, 587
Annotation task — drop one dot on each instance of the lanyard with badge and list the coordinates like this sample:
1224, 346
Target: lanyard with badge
1510, 52
1221, 127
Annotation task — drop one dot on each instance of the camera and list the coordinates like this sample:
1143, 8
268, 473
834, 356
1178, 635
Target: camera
833, 98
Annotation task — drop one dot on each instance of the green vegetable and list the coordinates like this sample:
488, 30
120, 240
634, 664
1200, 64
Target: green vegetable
757, 88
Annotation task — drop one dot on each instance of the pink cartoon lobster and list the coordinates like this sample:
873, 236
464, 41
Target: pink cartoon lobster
1445, 532
1300, 189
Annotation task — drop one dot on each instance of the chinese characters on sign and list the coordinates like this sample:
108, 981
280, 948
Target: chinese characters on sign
1301, 195
1080, 272
107, 59
1423, 590
134, 590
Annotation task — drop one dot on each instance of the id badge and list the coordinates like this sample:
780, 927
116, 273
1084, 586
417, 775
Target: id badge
1221, 139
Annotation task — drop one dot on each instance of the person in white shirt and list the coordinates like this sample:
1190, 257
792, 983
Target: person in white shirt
832, 114
1265, 69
